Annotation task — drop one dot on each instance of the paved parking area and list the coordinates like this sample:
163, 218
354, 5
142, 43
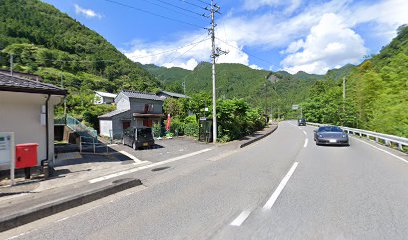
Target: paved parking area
164, 149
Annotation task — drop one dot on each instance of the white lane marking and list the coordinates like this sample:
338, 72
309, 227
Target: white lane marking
130, 156
147, 166
269, 204
304, 132
240, 219
306, 141
382, 150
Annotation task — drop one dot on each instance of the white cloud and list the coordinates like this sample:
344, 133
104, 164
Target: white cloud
330, 43
273, 30
89, 13
291, 5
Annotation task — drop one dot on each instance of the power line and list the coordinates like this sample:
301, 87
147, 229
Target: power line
115, 60
184, 9
273, 65
194, 45
203, 2
182, 13
152, 13
193, 4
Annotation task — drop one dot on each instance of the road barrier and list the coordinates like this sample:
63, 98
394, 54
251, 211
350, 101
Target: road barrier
388, 140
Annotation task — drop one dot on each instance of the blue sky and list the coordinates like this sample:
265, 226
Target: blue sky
292, 35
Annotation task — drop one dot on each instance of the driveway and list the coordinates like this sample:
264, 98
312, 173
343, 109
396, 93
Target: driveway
164, 149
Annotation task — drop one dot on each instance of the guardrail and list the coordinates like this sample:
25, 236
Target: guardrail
387, 139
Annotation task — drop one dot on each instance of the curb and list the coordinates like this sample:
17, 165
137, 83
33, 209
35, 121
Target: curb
258, 138
44, 210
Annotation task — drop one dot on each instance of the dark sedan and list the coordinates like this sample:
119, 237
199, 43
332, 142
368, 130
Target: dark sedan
331, 135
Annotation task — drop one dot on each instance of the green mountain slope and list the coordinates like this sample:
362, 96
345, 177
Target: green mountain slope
50, 43
276, 91
377, 93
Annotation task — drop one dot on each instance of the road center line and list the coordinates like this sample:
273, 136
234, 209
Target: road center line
382, 150
304, 132
240, 219
95, 180
269, 204
306, 141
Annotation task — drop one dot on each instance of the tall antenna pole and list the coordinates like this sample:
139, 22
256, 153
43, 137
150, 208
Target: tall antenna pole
11, 64
213, 55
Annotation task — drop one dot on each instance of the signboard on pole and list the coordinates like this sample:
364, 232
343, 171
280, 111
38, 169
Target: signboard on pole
7, 153
295, 107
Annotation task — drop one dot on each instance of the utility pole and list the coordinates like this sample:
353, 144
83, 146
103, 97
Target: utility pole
11, 64
344, 99
184, 87
216, 52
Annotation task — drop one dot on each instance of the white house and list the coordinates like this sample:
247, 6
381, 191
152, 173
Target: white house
133, 109
104, 97
27, 109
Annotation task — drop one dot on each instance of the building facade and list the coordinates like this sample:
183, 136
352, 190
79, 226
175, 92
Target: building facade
27, 110
133, 109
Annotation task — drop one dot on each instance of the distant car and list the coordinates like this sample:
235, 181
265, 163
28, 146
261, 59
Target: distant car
138, 137
331, 135
301, 122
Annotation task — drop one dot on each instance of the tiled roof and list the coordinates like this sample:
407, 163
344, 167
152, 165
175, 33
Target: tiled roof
176, 95
17, 84
141, 95
113, 113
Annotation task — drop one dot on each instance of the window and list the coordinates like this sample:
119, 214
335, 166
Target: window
147, 123
148, 108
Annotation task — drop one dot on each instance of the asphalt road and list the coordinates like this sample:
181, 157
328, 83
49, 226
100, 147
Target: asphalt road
282, 187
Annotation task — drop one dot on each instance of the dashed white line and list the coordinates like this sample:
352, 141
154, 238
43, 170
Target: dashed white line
306, 141
95, 180
304, 132
269, 204
240, 219
382, 150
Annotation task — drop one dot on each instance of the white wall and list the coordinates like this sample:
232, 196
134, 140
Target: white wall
21, 113
105, 127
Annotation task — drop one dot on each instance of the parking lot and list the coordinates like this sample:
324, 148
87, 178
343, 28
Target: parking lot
163, 149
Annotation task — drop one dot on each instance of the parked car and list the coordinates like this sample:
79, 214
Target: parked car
138, 137
301, 122
331, 135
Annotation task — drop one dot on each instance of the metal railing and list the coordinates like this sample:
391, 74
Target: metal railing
387, 139
76, 125
90, 144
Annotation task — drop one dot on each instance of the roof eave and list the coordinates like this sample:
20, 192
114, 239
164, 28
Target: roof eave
33, 90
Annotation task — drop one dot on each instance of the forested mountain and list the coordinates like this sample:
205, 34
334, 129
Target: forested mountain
166, 75
265, 89
49, 43
376, 93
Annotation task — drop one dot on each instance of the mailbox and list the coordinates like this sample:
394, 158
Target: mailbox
26, 155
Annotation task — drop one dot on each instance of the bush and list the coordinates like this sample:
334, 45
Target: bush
191, 129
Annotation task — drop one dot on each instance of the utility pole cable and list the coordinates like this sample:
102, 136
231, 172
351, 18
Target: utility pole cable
216, 52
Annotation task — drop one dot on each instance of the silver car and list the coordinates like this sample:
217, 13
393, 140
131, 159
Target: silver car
331, 135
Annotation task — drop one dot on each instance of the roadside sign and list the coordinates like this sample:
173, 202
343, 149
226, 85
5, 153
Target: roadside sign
295, 107
7, 153
203, 119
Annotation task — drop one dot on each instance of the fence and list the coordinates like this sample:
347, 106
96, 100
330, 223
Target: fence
387, 139
76, 125
91, 145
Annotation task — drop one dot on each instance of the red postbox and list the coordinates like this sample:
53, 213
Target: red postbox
26, 155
